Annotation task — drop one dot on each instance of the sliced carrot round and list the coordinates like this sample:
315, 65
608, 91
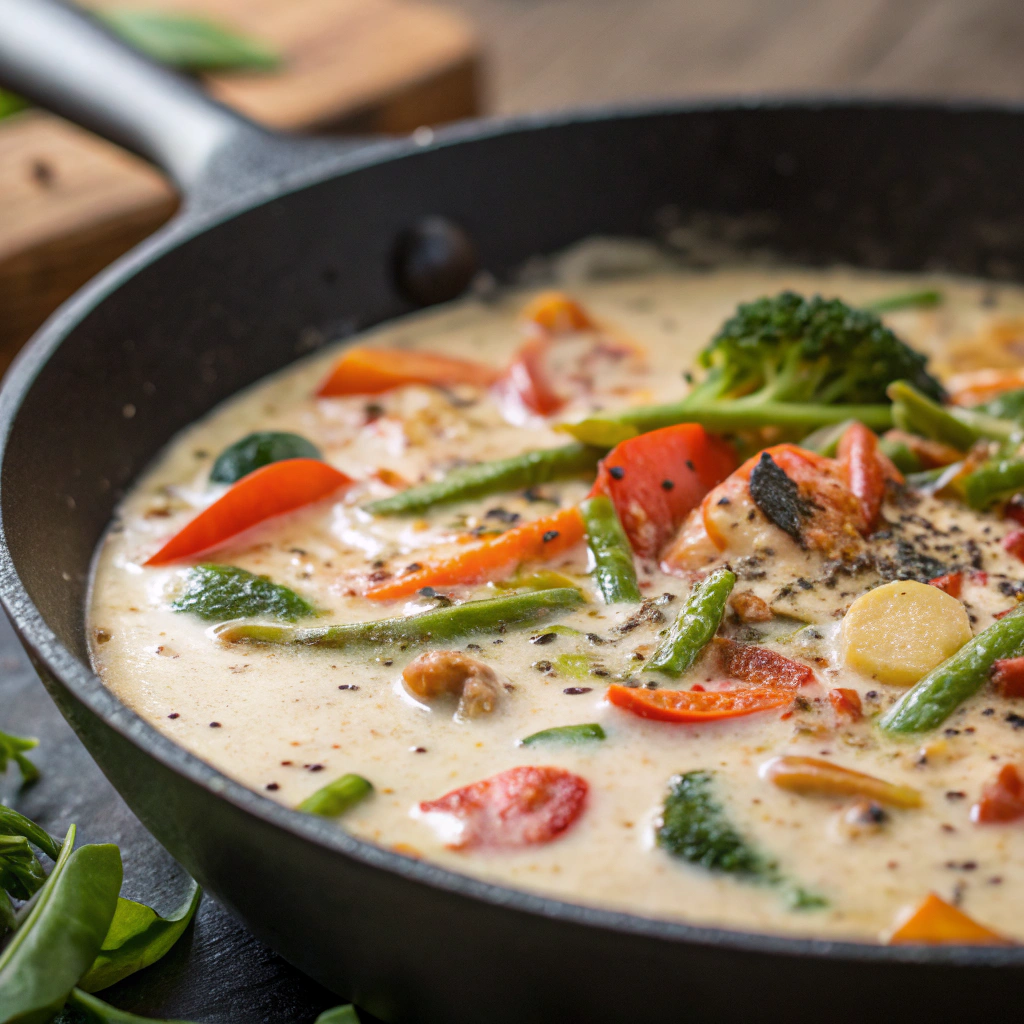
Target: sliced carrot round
696, 705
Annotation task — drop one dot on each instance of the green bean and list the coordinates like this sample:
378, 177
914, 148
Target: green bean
900, 455
566, 734
923, 299
64, 930
614, 571
918, 414
138, 936
439, 625
935, 697
90, 1010
336, 797
511, 474
993, 481
696, 624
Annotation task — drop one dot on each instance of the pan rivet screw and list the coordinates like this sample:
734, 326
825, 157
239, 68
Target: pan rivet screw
434, 261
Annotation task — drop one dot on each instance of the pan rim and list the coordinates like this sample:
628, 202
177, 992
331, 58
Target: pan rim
87, 688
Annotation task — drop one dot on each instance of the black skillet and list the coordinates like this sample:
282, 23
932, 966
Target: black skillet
282, 244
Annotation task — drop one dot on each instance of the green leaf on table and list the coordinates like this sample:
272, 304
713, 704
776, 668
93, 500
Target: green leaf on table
339, 1015
257, 450
61, 934
218, 593
21, 874
14, 824
12, 748
83, 1008
189, 43
138, 936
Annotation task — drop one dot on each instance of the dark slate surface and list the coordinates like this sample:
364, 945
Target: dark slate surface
217, 973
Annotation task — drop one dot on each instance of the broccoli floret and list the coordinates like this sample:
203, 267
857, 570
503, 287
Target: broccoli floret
790, 349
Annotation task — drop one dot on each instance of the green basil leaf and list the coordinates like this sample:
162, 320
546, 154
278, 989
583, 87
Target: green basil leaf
339, 1015
61, 935
13, 748
218, 593
82, 1007
21, 874
257, 450
189, 43
14, 824
138, 936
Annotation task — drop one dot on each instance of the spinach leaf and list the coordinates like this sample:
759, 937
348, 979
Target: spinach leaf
13, 748
188, 43
83, 1008
222, 592
21, 874
137, 937
339, 1015
61, 935
14, 824
257, 450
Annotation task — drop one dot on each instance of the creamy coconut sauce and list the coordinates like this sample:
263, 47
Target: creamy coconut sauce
284, 722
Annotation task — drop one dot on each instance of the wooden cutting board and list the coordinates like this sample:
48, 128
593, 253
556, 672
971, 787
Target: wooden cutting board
71, 203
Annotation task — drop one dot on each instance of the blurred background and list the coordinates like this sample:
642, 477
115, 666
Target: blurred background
70, 204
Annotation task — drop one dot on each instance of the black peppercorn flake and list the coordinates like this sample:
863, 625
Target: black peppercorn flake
667, 485
617, 472
575, 690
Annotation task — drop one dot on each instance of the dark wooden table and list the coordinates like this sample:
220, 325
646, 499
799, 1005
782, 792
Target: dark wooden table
542, 54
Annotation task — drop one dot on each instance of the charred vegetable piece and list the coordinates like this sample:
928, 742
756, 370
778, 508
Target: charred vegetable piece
923, 299
524, 806
614, 572
372, 371
959, 677
515, 473
994, 480
779, 498
695, 827
936, 922
260, 449
697, 623
495, 558
13, 748
815, 776
440, 625
566, 734
137, 937
759, 665
267, 492
217, 593
334, 799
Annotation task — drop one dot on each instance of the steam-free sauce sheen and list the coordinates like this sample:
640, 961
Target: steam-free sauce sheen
285, 721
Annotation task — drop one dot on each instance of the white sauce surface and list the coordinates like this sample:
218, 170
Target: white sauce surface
282, 720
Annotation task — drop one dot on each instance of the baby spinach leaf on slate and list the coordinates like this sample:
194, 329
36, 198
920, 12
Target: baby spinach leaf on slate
338, 1015
222, 592
138, 936
61, 935
83, 1008
189, 43
21, 874
13, 748
260, 449
14, 824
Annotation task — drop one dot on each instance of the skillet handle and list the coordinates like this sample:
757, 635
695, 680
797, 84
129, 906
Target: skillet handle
63, 60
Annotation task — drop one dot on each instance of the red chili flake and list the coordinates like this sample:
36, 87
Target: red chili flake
174, 714
951, 583
1002, 799
846, 703
979, 577
1008, 676
1014, 543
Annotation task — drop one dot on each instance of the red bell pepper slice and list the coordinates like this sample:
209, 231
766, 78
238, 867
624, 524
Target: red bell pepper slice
372, 371
654, 480
1002, 798
266, 492
526, 383
491, 559
698, 705
951, 583
523, 806
865, 472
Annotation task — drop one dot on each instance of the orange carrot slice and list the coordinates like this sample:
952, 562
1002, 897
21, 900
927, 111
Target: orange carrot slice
935, 922
266, 492
491, 559
371, 371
